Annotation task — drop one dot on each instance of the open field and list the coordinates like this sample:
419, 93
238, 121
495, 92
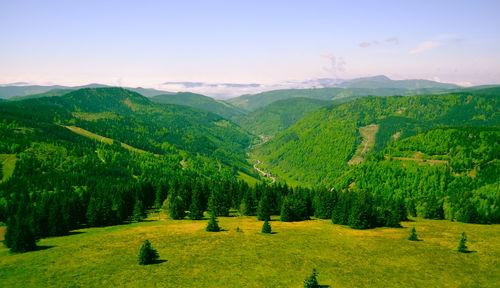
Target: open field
382, 257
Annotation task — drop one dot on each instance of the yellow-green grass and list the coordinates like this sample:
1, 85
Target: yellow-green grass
382, 257
247, 178
97, 137
8, 164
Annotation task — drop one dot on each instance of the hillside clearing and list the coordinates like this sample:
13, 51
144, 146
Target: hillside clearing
8, 164
368, 133
109, 141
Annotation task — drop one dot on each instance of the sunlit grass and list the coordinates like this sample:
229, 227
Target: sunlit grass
382, 257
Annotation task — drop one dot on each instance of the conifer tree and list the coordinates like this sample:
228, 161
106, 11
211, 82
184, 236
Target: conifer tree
213, 226
249, 205
20, 235
361, 214
195, 209
413, 235
462, 246
219, 202
147, 255
323, 202
286, 211
266, 228
264, 208
312, 281
139, 213
177, 209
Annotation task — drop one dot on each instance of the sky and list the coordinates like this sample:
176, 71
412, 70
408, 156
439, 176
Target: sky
147, 43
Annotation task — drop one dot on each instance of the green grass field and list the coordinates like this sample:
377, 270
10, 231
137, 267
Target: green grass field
382, 257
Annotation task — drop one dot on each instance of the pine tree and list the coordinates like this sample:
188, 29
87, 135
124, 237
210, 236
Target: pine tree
361, 215
264, 208
249, 205
312, 281
213, 226
20, 235
462, 246
286, 211
323, 203
266, 228
195, 209
147, 255
219, 202
177, 209
139, 212
413, 235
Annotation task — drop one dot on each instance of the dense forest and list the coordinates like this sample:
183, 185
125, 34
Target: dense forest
202, 102
277, 116
441, 174
317, 148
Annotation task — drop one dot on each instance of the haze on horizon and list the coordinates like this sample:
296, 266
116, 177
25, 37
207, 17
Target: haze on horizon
147, 43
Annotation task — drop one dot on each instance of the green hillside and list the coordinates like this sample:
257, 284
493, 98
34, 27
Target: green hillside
31, 92
317, 148
277, 116
201, 102
384, 82
128, 117
451, 173
256, 101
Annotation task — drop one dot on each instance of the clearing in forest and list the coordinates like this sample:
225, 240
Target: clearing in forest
368, 133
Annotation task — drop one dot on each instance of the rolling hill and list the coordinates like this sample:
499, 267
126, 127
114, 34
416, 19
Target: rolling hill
131, 118
445, 173
317, 148
277, 116
381, 81
37, 91
201, 102
256, 101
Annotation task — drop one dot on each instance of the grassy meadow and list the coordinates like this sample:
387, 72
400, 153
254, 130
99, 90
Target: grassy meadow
192, 257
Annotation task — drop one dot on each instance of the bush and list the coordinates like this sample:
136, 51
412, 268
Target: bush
147, 255
462, 246
312, 281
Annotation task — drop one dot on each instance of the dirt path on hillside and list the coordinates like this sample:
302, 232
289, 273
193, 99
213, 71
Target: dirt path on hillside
265, 174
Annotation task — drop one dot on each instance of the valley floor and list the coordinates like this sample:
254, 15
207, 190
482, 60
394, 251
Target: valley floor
192, 257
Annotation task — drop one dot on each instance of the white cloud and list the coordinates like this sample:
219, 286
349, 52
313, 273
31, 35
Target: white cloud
337, 64
436, 79
425, 46
394, 40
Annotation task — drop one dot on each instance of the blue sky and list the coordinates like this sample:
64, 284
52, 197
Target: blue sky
149, 42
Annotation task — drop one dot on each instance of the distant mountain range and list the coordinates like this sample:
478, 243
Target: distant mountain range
231, 90
22, 90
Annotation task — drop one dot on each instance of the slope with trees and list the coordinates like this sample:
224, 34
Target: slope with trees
201, 102
317, 148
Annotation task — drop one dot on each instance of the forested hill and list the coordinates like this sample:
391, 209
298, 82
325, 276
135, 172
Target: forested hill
277, 116
382, 81
199, 101
131, 118
256, 101
451, 173
317, 149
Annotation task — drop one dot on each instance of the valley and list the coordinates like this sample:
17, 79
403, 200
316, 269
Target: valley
90, 173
